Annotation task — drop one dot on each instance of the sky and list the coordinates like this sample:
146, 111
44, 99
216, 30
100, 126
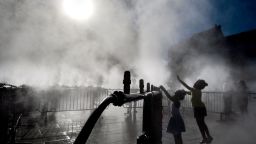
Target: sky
235, 15
40, 44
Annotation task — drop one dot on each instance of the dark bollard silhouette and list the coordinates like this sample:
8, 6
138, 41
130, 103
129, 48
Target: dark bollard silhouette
141, 85
148, 87
126, 88
127, 82
152, 119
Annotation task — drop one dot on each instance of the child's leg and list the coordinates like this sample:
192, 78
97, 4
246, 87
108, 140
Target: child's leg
206, 128
178, 138
209, 137
201, 125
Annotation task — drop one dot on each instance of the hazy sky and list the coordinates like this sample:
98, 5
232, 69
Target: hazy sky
41, 45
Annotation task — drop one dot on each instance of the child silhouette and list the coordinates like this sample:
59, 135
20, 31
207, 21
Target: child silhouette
176, 124
199, 107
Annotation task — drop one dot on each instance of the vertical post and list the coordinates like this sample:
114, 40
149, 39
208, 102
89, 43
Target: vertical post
156, 118
148, 87
146, 127
145, 138
127, 82
152, 118
141, 84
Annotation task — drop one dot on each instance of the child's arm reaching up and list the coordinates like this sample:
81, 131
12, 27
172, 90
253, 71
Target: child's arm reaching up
184, 84
166, 93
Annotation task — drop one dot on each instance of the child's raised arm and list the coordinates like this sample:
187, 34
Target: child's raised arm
166, 93
184, 84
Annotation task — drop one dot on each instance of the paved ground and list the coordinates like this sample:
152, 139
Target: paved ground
116, 127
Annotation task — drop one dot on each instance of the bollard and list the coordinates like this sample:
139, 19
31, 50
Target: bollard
152, 117
156, 118
148, 87
141, 84
145, 138
127, 82
146, 113
126, 89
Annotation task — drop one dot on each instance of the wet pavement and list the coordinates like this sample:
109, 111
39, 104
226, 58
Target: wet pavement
117, 127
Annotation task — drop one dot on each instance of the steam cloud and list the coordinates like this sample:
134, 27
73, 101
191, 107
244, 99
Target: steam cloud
40, 46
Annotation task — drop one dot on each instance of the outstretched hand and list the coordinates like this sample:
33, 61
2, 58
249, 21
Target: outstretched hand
183, 83
162, 88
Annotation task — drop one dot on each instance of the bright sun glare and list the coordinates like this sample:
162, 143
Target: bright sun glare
78, 9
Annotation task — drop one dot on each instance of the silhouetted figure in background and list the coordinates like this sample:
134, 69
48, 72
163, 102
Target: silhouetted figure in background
176, 124
228, 92
199, 107
242, 97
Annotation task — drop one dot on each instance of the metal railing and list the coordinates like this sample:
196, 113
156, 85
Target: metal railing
252, 95
80, 99
75, 99
218, 102
213, 101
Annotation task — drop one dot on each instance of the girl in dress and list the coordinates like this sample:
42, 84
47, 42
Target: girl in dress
176, 124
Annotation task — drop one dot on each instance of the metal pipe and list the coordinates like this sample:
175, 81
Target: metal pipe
90, 123
118, 98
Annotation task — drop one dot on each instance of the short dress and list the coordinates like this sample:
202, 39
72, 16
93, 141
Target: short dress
176, 124
199, 112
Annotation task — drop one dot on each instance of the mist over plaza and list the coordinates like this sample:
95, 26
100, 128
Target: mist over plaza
60, 58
